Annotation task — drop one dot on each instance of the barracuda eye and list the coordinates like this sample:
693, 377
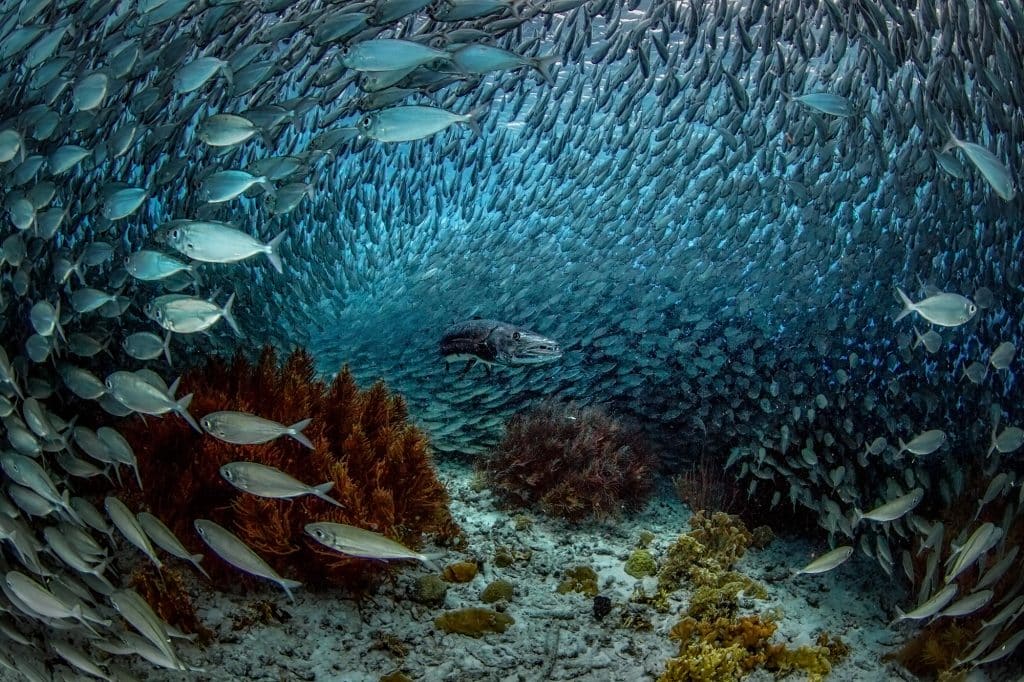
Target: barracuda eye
320, 534
516, 336
175, 233
366, 122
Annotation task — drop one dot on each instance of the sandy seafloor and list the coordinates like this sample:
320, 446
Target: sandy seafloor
555, 637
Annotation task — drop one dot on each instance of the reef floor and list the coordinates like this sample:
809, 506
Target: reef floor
325, 636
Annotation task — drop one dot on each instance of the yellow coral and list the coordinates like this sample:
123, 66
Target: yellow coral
582, 579
745, 644
724, 535
703, 662
475, 622
811, 660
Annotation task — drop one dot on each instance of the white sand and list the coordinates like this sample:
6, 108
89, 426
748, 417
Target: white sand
555, 637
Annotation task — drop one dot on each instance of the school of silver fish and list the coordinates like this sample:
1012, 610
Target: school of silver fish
785, 231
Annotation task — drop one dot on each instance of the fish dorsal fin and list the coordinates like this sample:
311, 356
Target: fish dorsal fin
152, 378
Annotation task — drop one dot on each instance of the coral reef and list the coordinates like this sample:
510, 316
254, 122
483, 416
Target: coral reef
570, 462
640, 564
725, 649
474, 622
582, 579
429, 589
497, 590
460, 572
378, 462
705, 556
715, 643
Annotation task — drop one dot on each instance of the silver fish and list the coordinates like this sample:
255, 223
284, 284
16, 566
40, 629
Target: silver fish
266, 481
827, 561
166, 540
360, 542
936, 603
213, 242
413, 122
242, 428
124, 520
892, 510
232, 550
945, 310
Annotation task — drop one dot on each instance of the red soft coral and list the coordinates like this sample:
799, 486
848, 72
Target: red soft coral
570, 462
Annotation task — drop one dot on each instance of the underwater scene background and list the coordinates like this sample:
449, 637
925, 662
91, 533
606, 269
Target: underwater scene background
511, 339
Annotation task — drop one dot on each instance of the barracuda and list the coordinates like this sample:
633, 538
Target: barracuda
491, 342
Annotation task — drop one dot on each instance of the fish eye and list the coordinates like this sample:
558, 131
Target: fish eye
346, 51
366, 122
175, 233
320, 534
108, 383
516, 336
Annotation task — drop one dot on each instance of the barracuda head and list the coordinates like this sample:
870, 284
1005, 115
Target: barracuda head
522, 347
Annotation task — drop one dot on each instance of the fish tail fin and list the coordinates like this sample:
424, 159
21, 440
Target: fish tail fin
69, 510
908, 305
229, 74
194, 559
857, 516
543, 66
473, 119
181, 407
295, 431
918, 339
58, 326
288, 586
430, 560
173, 388
228, 317
167, 347
951, 140
321, 492
272, 255
76, 268
267, 184
903, 447
138, 478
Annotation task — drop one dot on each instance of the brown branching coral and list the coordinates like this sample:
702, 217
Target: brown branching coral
706, 485
378, 462
165, 591
570, 462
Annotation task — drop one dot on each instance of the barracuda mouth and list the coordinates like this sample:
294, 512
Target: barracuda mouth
534, 349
